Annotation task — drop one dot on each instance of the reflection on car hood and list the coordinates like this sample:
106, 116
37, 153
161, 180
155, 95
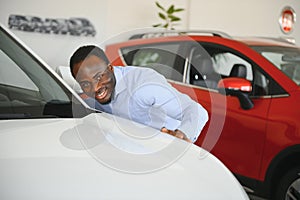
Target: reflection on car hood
105, 157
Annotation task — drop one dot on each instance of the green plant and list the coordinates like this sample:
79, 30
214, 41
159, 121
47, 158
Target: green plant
167, 15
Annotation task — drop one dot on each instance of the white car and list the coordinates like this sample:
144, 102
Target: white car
52, 146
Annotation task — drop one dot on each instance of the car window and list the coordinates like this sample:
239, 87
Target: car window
209, 64
11, 69
201, 69
27, 90
163, 58
223, 62
284, 58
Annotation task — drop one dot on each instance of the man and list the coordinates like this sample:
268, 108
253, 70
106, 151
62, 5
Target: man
136, 93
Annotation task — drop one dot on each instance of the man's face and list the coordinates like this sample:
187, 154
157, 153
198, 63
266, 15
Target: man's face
95, 78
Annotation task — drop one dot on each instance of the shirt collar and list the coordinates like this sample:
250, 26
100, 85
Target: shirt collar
120, 84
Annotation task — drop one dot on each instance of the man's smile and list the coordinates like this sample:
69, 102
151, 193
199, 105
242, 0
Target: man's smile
101, 93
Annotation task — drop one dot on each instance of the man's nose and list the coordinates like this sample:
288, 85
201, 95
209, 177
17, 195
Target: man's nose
96, 85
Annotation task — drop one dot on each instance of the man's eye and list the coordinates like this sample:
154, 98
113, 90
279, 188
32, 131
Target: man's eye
85, 85
98, 78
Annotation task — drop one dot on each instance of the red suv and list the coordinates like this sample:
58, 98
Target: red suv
250, 87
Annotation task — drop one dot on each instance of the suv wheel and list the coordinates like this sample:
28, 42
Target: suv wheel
288, 186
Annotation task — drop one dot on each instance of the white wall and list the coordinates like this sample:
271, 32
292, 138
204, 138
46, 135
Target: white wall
113, 17
56, 49
236, 17
243, 18
127, 15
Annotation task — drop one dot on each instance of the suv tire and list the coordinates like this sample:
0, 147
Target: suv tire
288, 186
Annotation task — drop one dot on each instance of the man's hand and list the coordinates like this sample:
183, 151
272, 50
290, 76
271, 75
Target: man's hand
177, 133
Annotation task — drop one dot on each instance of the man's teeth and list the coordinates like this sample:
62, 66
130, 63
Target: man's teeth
100, 94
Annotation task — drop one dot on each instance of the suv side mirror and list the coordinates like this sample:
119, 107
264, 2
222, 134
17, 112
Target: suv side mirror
238, 87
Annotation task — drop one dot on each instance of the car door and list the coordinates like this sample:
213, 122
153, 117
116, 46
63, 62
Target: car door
235, 135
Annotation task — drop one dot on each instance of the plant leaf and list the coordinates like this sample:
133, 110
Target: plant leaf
161, 15
174, 18
158, 5
156, 25
178, 9
171, 9
166, 14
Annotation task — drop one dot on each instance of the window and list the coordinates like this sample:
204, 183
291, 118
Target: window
201, 71
284, 58
26, 89
164, 58
223, 62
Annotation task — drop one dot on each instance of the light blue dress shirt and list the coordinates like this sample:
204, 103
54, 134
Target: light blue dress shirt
145, 96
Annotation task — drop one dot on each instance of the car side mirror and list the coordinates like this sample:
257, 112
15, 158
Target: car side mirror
238, 87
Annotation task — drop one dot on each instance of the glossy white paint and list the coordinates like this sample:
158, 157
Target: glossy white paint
90, 158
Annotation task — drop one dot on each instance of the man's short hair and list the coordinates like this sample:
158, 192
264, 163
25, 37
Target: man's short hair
85, 51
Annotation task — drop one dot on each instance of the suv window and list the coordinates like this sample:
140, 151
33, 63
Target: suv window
285, 59
209, 66
226, 62
163, 58
203, 64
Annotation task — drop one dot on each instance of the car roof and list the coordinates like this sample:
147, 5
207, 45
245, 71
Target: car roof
266, 41
250, 41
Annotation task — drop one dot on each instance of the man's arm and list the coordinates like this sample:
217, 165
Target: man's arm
194, 117
179, 114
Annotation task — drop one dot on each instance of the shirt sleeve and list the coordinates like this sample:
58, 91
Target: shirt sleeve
194, 118
158, 100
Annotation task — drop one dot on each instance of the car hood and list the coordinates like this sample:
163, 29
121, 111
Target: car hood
102, 156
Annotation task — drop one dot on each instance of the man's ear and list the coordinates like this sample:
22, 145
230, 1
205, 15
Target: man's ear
75, 70
110, 67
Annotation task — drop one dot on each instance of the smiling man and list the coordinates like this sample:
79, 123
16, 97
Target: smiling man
136, 93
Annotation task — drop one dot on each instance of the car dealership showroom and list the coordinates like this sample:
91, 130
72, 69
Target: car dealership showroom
155, 99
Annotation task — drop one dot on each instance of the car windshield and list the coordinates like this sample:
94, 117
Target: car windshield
27, 89
284, 58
